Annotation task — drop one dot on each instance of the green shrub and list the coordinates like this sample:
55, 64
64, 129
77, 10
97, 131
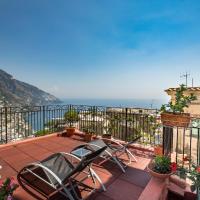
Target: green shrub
181, 101
71, 116
42, 133
162, 164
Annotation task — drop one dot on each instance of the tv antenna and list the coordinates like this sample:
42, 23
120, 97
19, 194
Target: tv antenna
151, 105
186, 75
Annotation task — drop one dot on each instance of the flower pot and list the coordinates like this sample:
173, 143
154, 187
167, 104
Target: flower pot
70, 131
107, 136
158, 150
87, 137
156, 174
175, 119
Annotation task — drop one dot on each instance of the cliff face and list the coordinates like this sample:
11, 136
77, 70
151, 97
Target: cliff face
17, 93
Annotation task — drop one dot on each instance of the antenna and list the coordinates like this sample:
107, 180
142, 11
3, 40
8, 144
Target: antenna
186, 77
151, 105
192, 82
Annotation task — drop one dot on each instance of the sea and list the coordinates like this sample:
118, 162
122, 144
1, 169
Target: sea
133, 103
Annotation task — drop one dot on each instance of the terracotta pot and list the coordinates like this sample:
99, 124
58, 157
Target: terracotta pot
157, 175
158, 150
107, 136
70, 131
87, 137
175, 119
94, 137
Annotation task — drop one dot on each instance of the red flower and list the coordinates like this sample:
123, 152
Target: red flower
1, 183
173, 166
198, 169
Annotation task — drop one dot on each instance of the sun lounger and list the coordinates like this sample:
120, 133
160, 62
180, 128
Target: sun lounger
113, 151
56, 175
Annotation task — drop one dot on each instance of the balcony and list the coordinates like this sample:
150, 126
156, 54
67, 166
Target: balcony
20, 145
130, 185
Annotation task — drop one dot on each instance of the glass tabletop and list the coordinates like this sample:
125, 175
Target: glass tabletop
81, 152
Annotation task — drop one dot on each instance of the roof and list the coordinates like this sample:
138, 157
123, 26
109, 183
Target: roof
188, 89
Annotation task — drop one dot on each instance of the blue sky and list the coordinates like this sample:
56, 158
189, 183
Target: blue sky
101, 49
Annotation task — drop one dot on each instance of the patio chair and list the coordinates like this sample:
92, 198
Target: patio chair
113, 151
56, 176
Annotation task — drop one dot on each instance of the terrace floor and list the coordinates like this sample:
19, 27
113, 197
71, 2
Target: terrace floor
119, 185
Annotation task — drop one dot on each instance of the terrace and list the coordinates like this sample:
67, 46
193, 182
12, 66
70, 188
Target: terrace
136, 183
129, 185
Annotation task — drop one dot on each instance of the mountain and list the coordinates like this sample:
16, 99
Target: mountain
16, 93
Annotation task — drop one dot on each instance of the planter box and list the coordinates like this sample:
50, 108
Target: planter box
179, 120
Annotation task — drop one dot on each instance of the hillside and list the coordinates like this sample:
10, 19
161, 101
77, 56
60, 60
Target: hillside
15, 92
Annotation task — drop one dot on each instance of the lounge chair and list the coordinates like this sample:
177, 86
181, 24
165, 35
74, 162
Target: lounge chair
56, 176
113, 151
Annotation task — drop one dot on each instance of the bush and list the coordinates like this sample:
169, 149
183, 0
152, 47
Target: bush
42, 133
56, 124
163, 165
181, 101
71, 116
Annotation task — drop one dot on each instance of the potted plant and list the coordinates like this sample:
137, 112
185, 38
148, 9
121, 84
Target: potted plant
111, 126
182, 172
154, 125
89, 132
172, 114
7, 188
71, 117
161, 167
194, 176
108, 134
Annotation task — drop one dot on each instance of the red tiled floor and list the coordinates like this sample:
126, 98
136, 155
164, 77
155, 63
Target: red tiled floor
119, 185
101, 197
136, 176
9, 152
121, 189
18, 157
21, 194
7, 171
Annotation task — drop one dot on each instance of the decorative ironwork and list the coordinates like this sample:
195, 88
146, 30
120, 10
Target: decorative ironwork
29, 121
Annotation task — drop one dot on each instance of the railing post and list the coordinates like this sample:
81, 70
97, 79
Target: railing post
43, 118
198, 147
93, 117
126, 127
6, 123
70, 113
167, 140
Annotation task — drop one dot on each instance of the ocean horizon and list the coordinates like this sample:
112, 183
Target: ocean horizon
134, 103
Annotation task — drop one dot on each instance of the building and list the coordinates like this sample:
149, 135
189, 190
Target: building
194, 107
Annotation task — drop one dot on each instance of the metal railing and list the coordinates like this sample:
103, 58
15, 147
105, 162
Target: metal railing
123, 123
183, 145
